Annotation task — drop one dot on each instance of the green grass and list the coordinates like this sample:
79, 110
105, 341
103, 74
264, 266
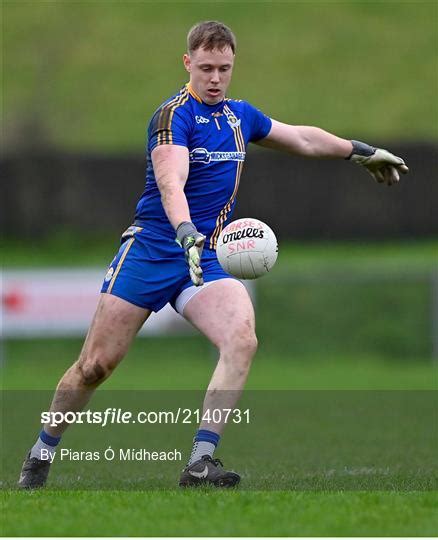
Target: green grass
219, 514
145, 506
81, 76
186, 363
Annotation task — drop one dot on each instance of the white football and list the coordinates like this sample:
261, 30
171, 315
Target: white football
247, 248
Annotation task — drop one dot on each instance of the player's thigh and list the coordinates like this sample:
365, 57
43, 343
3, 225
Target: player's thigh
114, 326
224, 313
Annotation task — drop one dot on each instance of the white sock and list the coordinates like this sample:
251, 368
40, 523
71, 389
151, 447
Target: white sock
46, 449
201, 448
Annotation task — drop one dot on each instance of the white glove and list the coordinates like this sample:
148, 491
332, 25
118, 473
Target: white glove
383, 166
193, 243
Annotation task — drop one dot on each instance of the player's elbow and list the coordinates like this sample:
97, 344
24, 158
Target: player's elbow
170, 189
306, 144
298, 140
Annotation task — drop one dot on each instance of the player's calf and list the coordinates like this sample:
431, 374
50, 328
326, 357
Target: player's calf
73, 392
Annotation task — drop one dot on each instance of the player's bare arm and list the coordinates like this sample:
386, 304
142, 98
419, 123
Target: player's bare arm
311, 141
171, 168
306, 141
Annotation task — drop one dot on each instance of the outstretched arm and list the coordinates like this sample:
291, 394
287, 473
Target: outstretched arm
311, 141
306, 141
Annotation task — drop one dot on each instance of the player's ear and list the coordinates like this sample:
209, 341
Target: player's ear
186, 60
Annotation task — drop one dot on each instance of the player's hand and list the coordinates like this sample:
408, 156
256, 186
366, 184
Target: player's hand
383, 166
193, 243
193, 246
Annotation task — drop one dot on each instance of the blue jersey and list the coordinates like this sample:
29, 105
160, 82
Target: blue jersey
216, 137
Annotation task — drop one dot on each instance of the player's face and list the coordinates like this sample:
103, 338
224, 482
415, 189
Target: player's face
210, 73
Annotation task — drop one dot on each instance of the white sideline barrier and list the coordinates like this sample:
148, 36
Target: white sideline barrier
61, 302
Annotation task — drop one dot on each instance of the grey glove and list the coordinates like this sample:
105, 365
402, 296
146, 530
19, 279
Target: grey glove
193, 243
383, 166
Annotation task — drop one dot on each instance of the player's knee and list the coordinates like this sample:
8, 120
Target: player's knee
250, 344
92, 374
95, 369
242, 342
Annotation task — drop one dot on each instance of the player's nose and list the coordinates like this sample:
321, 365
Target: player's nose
215, 76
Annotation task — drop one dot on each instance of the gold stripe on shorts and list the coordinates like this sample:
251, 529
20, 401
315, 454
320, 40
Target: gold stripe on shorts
122, 258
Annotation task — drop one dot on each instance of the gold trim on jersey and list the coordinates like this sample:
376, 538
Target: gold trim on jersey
164, 126
240, 146
193, 93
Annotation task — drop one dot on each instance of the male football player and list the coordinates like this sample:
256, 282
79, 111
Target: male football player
197, 143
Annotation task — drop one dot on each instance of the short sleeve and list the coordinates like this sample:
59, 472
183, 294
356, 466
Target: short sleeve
169, 125
259, 122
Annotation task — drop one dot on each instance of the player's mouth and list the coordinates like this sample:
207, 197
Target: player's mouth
213, 92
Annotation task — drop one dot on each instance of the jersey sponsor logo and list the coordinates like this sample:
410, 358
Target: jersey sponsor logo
202, 155
201, 120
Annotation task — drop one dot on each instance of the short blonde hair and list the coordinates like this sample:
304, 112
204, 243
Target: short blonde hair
210, 35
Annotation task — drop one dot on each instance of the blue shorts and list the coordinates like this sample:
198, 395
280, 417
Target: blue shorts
150, 271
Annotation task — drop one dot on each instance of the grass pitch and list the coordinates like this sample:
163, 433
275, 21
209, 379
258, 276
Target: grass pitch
65, 510
210, 513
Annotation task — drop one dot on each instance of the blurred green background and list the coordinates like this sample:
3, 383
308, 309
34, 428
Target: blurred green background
329, 316
86, 75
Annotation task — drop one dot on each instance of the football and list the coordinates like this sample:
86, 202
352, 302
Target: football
247, 248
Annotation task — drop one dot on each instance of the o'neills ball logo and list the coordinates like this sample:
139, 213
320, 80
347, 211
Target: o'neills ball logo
247, 248
248, 232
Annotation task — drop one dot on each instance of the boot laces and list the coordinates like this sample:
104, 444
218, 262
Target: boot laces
215, 461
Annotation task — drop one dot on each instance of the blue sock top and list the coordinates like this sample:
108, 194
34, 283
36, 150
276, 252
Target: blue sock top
207, 436
48, 439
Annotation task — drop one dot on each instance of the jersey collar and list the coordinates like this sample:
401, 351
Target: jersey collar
195, 96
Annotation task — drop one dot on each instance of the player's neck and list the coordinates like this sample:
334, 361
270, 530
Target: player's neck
196, 96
